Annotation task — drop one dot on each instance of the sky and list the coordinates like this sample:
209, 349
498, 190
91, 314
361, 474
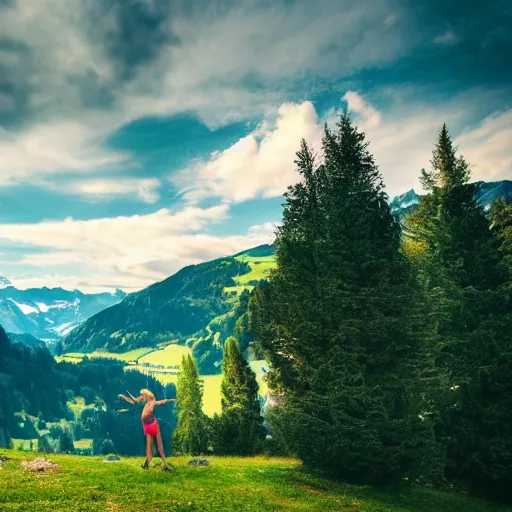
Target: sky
140, 136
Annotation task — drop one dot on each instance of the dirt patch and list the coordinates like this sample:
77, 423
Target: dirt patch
40, 464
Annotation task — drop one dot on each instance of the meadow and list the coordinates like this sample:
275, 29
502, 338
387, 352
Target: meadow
169, 356
257, 484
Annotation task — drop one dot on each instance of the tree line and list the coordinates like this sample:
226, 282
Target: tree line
390, 342
58, 404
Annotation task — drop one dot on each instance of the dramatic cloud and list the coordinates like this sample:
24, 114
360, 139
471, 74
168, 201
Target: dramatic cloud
80, 70
260, 164
125, 252
401, 139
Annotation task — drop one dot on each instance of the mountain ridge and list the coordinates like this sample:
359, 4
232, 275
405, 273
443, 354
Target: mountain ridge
49, 313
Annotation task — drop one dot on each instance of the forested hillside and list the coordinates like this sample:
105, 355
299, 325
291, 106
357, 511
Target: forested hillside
198, 306
62, 404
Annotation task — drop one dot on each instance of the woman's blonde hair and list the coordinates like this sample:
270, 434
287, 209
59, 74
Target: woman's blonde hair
148, 393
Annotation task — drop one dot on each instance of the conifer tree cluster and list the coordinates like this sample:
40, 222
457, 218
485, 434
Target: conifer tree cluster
389, 347
191, 433
239, 430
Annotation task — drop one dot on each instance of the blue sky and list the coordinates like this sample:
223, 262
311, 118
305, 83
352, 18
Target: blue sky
139, 136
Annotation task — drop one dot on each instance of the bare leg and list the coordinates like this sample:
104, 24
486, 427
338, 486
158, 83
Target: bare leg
160, 446
149, 449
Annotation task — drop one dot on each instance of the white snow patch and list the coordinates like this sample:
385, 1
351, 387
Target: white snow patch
408, 203
43, 307
63, 329
26, 309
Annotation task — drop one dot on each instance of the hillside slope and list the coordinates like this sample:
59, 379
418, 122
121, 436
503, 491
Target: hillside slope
197, 306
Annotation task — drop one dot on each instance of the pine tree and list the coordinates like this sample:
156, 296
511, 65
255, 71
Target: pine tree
464, 278
66, 442
44, 445
502, 227
239, 431
338, 326
191, 433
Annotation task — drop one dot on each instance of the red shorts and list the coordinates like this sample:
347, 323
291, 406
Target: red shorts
152, 429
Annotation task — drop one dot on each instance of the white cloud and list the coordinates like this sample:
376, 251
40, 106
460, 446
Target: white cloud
260, 164
401, 140
368, 115
125, 252
145, 189
51, 148
487, 147
267, 229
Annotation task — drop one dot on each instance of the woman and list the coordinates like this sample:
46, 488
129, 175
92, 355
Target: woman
150, 425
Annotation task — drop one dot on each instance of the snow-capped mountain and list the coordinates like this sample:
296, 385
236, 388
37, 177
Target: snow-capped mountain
404, 203
49, 313
4, 282
486, 194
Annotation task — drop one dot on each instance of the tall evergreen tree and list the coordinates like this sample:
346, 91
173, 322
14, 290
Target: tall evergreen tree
339, 328
502, 227
464, 276
66, 442
191, 433
239, 431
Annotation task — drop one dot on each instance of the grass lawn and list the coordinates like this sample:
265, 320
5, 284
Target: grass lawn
85, 484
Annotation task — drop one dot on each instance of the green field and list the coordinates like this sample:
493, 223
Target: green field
168, 356
132, 355
25, 444
83, 443
85, 484
260, 266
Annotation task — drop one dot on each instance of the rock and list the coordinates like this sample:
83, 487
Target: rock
111, 458
198, 462
39, 464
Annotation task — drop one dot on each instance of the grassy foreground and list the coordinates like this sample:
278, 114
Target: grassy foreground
229, 484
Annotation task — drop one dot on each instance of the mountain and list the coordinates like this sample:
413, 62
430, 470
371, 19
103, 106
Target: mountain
4, 282
26, 339
49, 313
487, 193
198, 306
405, 203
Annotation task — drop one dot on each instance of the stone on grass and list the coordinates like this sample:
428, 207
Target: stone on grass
111, 458
198, 462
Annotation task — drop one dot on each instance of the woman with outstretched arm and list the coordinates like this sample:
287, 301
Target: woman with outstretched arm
150, 424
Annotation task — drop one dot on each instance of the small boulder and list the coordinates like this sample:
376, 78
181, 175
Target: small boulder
111, 458
198, 462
